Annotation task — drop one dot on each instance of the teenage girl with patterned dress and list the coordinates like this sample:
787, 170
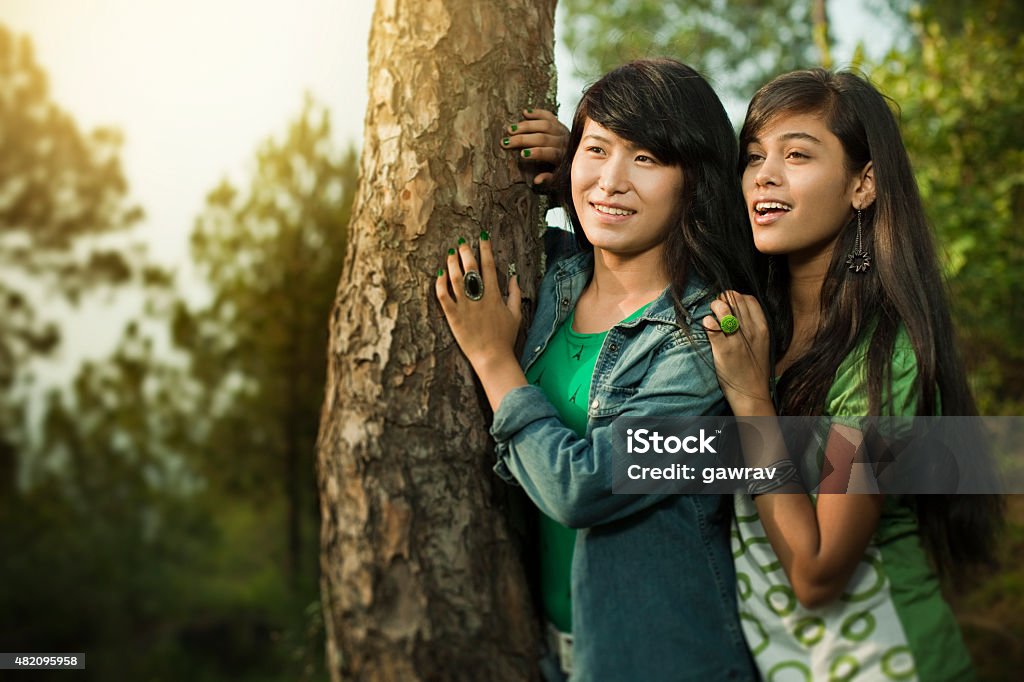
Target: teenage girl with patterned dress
844, 586
649, 184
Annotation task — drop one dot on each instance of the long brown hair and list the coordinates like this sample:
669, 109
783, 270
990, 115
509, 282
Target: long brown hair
904, 287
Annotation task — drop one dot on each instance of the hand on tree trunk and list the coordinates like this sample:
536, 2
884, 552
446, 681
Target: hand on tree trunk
484, 325
540, 140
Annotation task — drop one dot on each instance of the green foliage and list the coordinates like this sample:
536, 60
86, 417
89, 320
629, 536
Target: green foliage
199, 462
952, 17
962, 101
57, 183
169, 525
272, 257
739, 44
96, 546
61, 190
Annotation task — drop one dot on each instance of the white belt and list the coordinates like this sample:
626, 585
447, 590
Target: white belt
561, 644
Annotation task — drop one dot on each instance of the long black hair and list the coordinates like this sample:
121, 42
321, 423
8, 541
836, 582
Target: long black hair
667, 108
903, 287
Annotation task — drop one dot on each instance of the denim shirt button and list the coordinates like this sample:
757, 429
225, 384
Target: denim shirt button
565, 302
613, 347
596, 404
537, 349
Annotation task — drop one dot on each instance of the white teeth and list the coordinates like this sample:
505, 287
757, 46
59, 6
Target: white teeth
613, 211
766, 205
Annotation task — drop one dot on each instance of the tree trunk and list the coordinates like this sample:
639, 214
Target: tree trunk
819, 17
421, 576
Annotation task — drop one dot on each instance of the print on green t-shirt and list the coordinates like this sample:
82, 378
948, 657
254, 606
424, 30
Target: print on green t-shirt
563, 371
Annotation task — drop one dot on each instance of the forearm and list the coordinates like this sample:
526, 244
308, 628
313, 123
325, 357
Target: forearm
498, 374
818, 545
568, 476
791, 524
788, 516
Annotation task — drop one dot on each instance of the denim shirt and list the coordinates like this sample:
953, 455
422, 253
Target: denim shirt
653, 585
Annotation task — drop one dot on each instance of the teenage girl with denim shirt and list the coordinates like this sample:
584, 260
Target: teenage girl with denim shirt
844, 586
649, 186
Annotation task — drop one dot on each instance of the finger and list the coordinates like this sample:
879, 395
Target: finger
467, 257
515, 299
487, 267
720, 308
543, 178
745, 308
454, 268
715, 337
539, 114
532, 140
547, 126
527, 140
745, 313
444, 296
755, 313
735, 301
542, 154
748, 310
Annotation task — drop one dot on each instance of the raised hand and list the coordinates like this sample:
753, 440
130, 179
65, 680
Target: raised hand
741, 353
540, 138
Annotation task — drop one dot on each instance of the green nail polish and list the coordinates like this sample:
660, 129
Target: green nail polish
526, 153
451, 252
514, 127
440, 272
461, 241
505, 142
529, 111
484, 235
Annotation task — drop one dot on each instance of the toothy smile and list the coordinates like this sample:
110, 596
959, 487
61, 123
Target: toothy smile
612, 210
764, 207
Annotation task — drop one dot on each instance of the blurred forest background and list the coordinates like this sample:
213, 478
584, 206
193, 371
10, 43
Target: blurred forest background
160, 513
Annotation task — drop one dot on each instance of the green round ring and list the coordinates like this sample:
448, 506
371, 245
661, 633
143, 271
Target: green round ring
729, 324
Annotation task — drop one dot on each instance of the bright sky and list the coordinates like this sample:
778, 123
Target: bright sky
195, 85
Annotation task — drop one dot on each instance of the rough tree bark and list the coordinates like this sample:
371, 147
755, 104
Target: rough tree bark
421, 578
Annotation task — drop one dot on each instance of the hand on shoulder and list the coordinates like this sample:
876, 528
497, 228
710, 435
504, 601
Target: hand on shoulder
740, 343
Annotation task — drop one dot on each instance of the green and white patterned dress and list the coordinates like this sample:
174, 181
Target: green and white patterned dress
891, 622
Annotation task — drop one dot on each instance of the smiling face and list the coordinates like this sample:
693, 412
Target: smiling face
625, 198
798, 189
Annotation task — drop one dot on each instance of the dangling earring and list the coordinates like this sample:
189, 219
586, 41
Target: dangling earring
858, 260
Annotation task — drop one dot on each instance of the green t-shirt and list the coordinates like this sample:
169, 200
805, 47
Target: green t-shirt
563, 371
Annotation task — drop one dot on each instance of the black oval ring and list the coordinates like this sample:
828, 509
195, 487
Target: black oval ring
473, 285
